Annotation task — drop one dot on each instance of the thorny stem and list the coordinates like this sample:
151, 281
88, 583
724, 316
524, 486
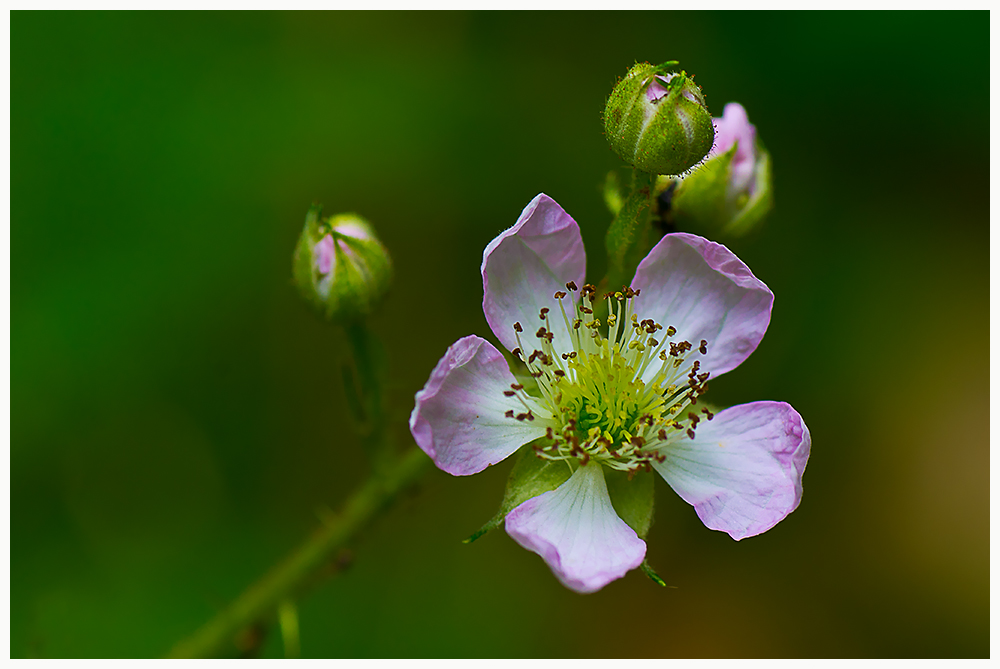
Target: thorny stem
391, 474
261, 599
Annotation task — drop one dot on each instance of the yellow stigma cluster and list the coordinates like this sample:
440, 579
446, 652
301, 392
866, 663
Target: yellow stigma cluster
624, 391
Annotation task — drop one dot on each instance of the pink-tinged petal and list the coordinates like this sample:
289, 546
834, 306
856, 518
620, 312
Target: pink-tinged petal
743, 470
706, 292
577, 532
458, 418
323, 253
733, 127
524, 267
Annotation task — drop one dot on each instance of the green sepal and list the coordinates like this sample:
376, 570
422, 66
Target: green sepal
700, 202
530, 477
754, 211
632, 499
652, 574
303, 272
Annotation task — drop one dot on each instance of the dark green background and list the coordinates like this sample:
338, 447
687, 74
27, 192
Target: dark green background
177, 415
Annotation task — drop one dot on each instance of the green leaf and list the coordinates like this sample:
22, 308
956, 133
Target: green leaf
530, 477
633, 500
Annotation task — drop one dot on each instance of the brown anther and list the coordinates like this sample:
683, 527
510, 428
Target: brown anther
694, 419
509, 393
521, 416
559, 295
531, 416
690, 433
572, 354
704, 347
585, 459
671, 331
548, 433
559, 372
637, 441
518, 328
586, 310
509, 413
704, 377
571, 285
576, 323
652, 342
534, 354
516, 386
517, 353
608, 296
537, 374
542, 313
662, 434
541, 332
708, 414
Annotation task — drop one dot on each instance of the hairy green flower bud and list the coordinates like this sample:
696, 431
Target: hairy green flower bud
656, 119
340, 266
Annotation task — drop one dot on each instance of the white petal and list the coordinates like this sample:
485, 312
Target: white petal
577, 532
458, 417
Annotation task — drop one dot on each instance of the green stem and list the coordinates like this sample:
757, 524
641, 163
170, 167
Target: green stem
286, 578
630, 233
369, 360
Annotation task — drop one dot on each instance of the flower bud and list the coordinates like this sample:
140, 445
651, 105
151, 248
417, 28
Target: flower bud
731, 191
340, 266
657, 120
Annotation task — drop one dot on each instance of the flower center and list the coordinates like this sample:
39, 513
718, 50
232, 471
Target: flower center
621, 395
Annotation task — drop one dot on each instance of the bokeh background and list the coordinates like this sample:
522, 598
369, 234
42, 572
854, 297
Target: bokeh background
177, 414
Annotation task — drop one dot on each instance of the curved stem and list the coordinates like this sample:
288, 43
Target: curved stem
287, 577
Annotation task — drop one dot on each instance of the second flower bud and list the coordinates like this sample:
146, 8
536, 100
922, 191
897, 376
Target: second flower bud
656, 119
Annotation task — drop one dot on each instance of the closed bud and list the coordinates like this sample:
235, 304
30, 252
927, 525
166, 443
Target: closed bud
656, 119
340, 266
731, 192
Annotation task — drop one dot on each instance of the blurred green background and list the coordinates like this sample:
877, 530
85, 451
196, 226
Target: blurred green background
177, 411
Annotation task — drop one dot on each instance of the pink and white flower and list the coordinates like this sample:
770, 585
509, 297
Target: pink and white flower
618, 395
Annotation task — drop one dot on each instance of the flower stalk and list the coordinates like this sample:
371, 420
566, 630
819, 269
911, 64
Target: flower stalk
631, 234
288, 578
